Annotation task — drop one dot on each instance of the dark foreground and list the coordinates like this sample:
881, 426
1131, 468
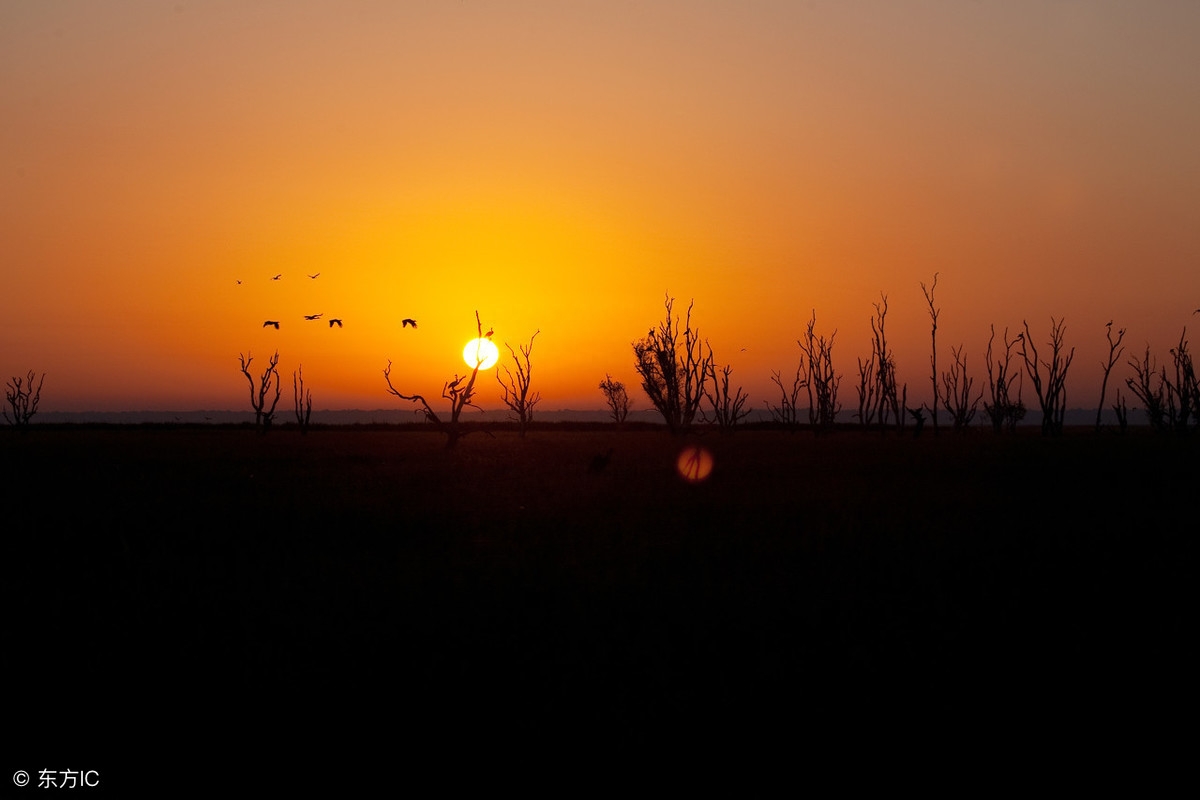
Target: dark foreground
367, 586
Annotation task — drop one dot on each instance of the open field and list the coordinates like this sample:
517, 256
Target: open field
169, 574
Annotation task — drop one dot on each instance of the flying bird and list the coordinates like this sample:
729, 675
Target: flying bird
277, 277
311, 317
239, 283
404, 323
314, 277
271, 322
335, 319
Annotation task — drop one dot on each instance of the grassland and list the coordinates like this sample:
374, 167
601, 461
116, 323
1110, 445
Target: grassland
503, 589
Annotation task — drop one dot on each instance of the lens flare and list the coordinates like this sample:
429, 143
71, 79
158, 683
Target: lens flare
694, 464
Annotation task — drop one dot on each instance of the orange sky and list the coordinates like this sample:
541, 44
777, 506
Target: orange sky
561, 167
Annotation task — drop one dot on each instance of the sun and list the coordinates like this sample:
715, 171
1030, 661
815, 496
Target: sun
482, 353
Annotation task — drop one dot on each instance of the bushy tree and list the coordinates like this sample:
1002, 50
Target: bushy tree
673, 368
23, 398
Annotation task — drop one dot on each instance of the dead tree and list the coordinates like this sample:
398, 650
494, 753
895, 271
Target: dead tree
302, 400
1149, 386
1170, 404
889, 398
1003, 410
264, 415
515, 388
1051, 393
616, 397
727, 406
1186, 390
23, 398
787, 413
1114, 352
867, 388
673, 369
933, 375
459, 394
820, 378
956, 392
1122, 412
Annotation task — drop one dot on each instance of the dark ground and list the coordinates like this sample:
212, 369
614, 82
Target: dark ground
1008, 594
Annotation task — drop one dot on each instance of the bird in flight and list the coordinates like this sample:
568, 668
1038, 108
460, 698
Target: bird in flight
314, 277
335, 319
311, 317
277, 277
404, 323
239, 283
272, 322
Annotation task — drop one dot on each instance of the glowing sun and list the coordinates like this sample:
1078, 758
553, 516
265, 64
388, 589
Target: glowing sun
481, 352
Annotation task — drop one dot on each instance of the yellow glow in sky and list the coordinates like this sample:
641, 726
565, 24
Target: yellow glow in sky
562, 167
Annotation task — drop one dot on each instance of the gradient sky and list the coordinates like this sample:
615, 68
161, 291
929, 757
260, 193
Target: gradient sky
562, 166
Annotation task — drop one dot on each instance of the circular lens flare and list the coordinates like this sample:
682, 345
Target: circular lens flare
481, 353
694, 464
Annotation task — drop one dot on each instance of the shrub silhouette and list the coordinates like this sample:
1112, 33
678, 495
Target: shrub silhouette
673, 369
23, 398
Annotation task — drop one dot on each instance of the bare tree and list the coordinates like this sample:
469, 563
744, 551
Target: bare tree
1003, 410
515, 388
1122, 412
1148, 390
1185, 388
787, 413
23, 398
1170, 404
867, 389
820, 378
673, 369
889, 398
616, 397
1051, 393
727, 406
302, 400
264, 415
1114, 352
956, 392
459, 394
933, 375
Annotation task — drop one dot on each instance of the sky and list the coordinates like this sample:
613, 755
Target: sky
562, 168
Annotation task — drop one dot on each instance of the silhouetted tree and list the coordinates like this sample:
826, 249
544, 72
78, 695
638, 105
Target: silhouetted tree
727, 406
956, 392
302, 400
616, 397
673, 369
1149, 386
933, 374
889, 398
1051, 393
264, 415
1122, 412
1171, 404
23, 398
515, 388
1003, 411
459, 394
1114, 352
820, 378
787, 413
